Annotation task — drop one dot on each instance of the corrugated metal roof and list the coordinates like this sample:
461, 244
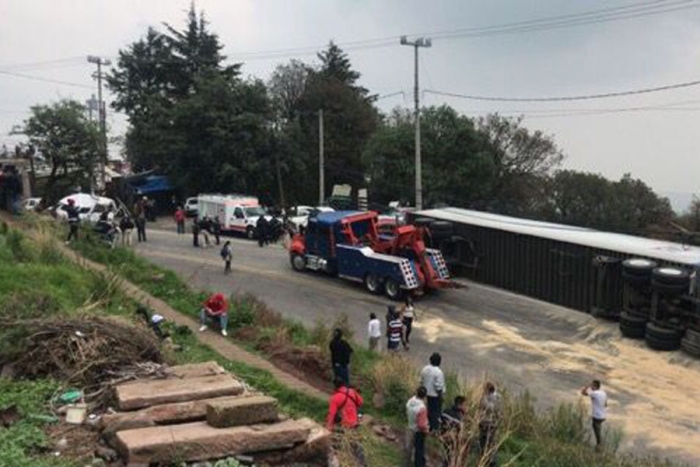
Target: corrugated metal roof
638, 246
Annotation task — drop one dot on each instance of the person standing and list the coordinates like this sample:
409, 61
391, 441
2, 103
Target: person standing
126, 225
374, 331
227, 256
261, 227
73, 221
418, 429
195, 234
433, 379
343, 406
599, 405
180, 220
489, 418
407, 318
140, 213
204, 228
394, 332
216, 307
216, 229
341, 352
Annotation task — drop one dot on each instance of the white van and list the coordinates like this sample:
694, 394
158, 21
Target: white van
237, 213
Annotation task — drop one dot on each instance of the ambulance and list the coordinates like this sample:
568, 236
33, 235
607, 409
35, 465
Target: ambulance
237, 213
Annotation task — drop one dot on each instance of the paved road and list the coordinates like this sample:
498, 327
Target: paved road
481, 332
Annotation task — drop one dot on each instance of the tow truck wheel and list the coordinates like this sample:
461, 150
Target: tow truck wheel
372, 283
250, 233
392, 289
298, 262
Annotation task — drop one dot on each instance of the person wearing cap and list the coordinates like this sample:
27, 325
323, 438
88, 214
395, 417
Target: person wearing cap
73, 220
216, 307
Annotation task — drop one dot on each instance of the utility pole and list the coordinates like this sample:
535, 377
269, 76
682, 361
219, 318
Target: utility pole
321, 169
420, 42
102, 112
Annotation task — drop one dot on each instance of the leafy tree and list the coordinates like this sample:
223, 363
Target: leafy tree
62, 135
522, 159
456, 168
191, 114
350, 118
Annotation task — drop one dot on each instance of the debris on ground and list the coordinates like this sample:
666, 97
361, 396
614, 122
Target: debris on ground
86, 352
9, 416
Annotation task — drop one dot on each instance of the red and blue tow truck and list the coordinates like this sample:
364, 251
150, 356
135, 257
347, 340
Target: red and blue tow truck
348, 244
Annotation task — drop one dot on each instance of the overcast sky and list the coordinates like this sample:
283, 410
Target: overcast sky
656, 144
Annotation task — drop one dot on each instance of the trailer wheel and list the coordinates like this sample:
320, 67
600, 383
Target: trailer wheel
392, 289
690, 347
250, 232
298, 262
372, 283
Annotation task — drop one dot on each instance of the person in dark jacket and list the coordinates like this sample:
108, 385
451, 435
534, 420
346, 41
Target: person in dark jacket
262, 228
126, 226
216, 229
195, 234
341, 352
73, 220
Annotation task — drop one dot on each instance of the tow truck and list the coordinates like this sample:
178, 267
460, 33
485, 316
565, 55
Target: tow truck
348, 244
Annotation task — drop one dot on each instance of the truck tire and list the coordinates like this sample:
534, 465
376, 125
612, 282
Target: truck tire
298, 262
693, 336
372, 283
631, 326
671, 276
250, 232
690, 347
392, 289
638, 266
663, 333
637, 280
669, 289
662, 344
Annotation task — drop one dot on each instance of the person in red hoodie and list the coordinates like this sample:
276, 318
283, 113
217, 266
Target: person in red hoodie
343, 406
216, 307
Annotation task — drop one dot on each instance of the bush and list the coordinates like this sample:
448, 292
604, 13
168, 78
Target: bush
394, 380
18, 245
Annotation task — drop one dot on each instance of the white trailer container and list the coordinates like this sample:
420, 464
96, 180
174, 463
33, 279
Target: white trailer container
237, 213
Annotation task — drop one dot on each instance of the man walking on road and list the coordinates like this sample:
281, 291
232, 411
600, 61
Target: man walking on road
418, 428
216, 229
227, 256
195, 233
374, 331
599, 404
341, 352
433, 380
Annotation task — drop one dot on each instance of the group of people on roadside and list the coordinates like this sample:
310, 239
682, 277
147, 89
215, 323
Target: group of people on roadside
399, 324
207, 228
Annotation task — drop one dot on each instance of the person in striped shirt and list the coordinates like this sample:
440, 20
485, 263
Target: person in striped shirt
394, 330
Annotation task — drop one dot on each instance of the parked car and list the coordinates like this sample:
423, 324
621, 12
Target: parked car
30, 204
299, 215
90, 207
191, 207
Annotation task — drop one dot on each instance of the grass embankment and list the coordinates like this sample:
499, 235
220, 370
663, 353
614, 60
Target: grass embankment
36, 281
557, 437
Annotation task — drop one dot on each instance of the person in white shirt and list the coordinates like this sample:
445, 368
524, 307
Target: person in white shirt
374, 331
599, 404
407, 319
433, 380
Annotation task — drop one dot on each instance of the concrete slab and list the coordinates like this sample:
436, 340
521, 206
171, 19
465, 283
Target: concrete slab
241, 411
198, 441
142, 394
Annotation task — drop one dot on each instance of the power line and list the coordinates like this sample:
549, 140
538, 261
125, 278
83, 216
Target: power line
46, 64
46, 80
566, 98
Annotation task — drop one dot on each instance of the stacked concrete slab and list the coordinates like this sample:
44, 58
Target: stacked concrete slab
199, 412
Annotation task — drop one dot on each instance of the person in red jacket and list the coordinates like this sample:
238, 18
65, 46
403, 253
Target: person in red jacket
180, 220
216, 307
343, 406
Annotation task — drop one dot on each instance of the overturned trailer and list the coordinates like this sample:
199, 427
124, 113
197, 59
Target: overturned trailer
572, 266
